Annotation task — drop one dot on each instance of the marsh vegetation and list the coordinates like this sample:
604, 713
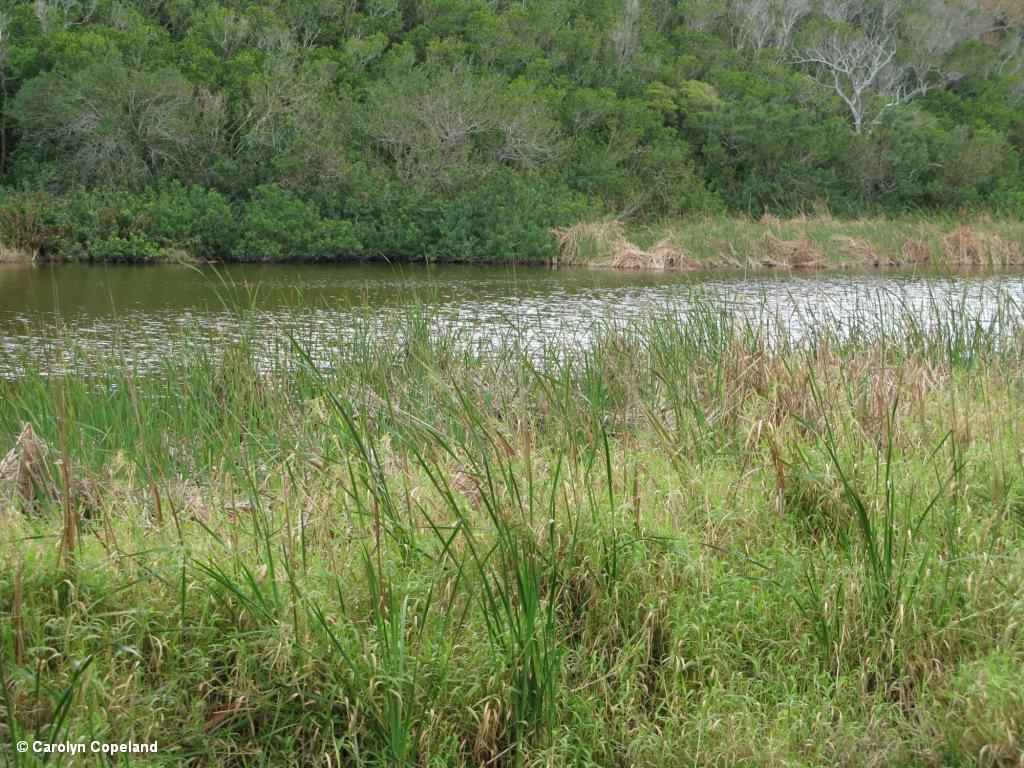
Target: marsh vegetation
700, 540
803, 242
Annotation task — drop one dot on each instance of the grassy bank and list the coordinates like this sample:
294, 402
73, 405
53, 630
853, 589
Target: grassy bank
804, 242
189, 224
685, 546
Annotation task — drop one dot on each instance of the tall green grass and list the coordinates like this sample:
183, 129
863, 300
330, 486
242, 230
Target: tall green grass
701, 539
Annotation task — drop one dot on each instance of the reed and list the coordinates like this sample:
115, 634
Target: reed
699, 539
802, 242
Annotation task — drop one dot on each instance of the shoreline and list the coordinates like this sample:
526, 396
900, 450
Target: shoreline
804, 243
711, 243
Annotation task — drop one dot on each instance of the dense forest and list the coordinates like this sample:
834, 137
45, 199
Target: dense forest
465, 129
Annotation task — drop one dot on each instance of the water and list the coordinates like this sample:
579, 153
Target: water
137, 309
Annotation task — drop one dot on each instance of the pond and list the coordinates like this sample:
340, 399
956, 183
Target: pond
137, 309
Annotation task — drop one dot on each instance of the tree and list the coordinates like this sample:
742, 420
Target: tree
53, 14
934, 30
625, 36
861, 69
312, 22
448, 126
293, 124
760, 23
5, 62
108, 123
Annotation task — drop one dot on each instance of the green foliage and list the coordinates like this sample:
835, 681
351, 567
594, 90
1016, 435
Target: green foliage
506, 218
31, 221
106, 123
275, 225
396, 117
195, 219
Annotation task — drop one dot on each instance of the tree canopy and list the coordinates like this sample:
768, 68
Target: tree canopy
466, 128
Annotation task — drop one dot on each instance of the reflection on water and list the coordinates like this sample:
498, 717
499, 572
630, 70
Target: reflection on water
137, 309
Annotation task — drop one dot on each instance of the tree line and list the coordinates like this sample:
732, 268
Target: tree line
465, 129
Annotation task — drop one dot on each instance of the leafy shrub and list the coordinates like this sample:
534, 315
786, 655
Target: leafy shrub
136, 247
396, 222
199, 221
508, 218
1008, 198
33, 221
274, 225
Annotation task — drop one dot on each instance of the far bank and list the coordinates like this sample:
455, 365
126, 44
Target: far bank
180, 224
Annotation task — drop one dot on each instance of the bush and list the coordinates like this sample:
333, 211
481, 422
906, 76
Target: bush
274, 225
197, 220
399, 223
33, 221
1008, 198
135, 247
508, 218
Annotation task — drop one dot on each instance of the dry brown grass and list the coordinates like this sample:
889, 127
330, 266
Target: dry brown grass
965, 245
604, 244
17, 256
28, 476
24, 471
662, 256
804, 242
918, 251
858, 251
801, 253
578, 242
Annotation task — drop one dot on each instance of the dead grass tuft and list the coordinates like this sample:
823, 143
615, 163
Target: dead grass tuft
664, 255
24, 471
586, 240
917, 251
856, 250
797, 254
17, 255
27, 476
671, 255
967, 246
604, 244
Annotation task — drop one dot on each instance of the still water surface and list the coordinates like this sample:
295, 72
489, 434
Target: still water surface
138, 308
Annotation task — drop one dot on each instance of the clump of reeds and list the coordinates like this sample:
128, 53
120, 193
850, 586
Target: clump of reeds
802, 253
967, 246
604, 244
